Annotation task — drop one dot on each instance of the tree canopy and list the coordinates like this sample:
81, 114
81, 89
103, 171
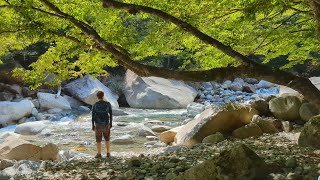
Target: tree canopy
86, 36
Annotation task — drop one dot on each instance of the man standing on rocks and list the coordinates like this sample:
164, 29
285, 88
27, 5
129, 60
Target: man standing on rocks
102, 122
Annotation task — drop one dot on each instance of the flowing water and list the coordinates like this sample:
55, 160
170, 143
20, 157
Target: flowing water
75, 133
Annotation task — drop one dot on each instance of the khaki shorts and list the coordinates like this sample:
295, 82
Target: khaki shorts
102, 130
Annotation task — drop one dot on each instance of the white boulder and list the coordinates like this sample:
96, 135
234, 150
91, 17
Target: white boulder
157, 93
31, 128
50, 101
12, 111
85, 89
285, 108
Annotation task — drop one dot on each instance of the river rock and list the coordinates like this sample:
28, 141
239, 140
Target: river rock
211, 121
195, 108
207, 86
31, 128
267, 126
160, 128
214, 138
12, 111
74, 103
118, 112
157, 93
50, 101
49, 152
287, 126
238, 162
226, 84
6, 136
285, 108
125, 139
315, 81
22, 169
6, 96
249, 88
168, 136
251, 80
54, 110
265, 84
68, 155
249, 130
236, 86
262, 106
310, 133
5, 163
152, 138
308, 110
85, 89
284, 90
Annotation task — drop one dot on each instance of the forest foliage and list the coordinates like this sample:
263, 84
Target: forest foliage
265, 27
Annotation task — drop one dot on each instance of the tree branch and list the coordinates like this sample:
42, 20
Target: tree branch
34, 8
132, 8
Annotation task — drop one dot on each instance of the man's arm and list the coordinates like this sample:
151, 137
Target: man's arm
110, 114
93, 117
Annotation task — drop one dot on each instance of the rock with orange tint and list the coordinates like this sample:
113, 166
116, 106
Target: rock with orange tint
211, 121
168, 136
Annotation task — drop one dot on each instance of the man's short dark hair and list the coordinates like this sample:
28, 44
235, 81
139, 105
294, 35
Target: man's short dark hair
100, 94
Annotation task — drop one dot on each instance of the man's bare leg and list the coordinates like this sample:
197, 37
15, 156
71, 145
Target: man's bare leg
99, 147
108, 147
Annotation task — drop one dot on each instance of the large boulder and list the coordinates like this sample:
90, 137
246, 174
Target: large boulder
13, 147
12, 111
157, 93
51, 101
28, 151
285, 108
31, 128
238, 162
86, 88
308, 110
310, 134
211, 121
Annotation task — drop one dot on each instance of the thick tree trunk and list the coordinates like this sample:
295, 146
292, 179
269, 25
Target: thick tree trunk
248, 69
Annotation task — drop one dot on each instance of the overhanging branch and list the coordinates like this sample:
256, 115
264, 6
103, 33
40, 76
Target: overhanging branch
133, 8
